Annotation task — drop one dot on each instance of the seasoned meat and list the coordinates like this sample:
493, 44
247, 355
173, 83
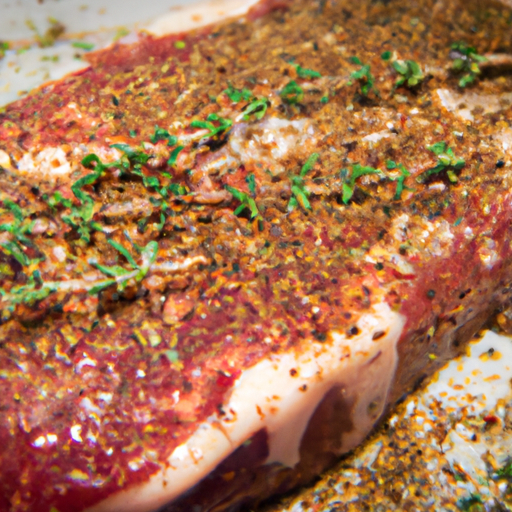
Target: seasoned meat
225, 254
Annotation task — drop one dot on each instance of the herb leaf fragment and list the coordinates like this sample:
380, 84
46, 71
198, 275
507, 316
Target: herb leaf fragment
292, 93
18, 229
466, 61
349, 183
364, 77
222, 125
410, 71
391, 165
122, 275
162, 134
300, 193
236, 96
446, 161
257, 108
246, 201
307, 73
473, 503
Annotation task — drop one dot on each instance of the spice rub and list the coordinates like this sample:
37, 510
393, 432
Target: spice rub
190, 206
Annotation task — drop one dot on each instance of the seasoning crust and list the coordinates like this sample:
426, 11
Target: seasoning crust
192, 204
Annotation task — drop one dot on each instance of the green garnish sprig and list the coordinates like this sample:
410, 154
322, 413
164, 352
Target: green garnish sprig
246, 202
410, 73
300, 193
4, 46
350, 178
36, 290
466, 61
257, 108
162, 134
306, 73
447, 162
236, 95
364, 77
400, 180
18, 229
83, 45
292, 93
214, 124
120, 275
81, 216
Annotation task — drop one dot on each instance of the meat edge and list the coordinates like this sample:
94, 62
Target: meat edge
281, 394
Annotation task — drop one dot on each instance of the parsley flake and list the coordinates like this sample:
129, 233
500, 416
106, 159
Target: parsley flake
236, 96
307, 73
292, 93
350, 179
399, 180
410, 71
246, 201
222, 125
364, 77
466, 61
446, 161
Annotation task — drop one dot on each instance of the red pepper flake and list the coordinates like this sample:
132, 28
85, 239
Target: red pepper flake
399, 275
491, 419
326, 241
226, 379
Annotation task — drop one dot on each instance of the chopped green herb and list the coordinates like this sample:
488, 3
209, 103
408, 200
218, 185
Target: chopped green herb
172, 355
82, 45
386, 55
174, 156
246, 202
251, 183
162, 134
400, 180
364, 77
30, 293
410, 71
16, 251
121, 32
310, 163
446, 161
80, 217
350, 179
134, 156
292, 93
18, 229
300, 193
257, 108
177, 189
122, 275
307, 73
222, 126
4, 46
180, 45
236, 95
466, 61
121, 249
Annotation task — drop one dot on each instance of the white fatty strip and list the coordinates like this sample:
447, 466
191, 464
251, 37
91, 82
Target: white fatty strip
268, 396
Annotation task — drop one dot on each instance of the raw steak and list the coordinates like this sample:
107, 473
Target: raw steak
225, 254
